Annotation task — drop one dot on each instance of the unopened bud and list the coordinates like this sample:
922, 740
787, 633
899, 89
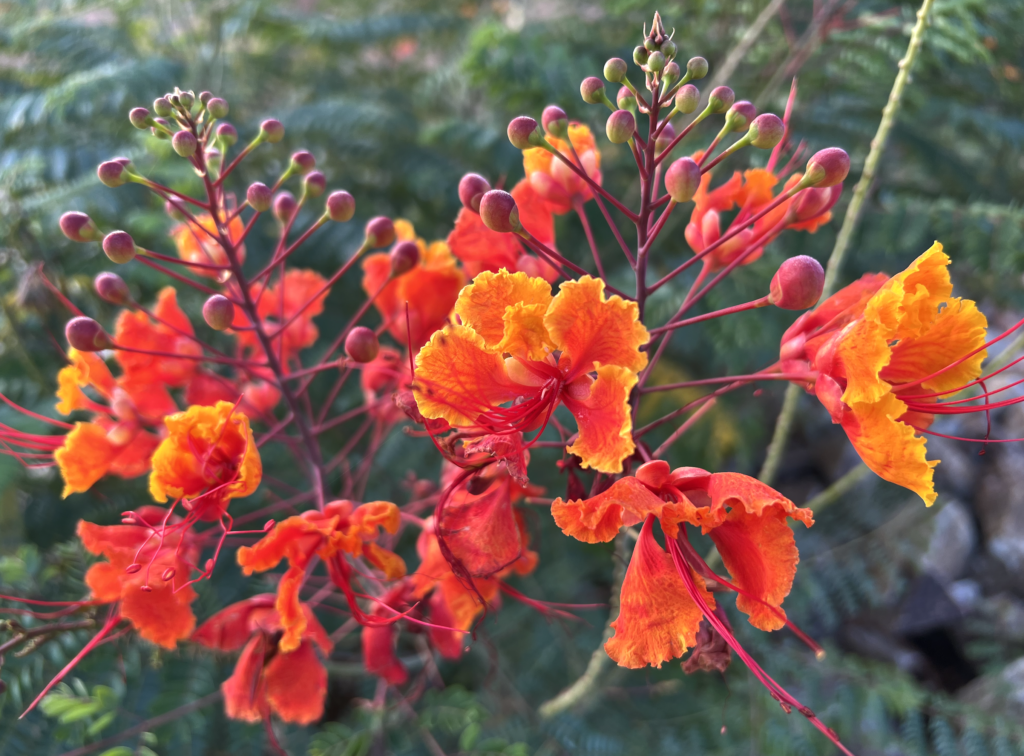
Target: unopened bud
640, 55
615, 70
185, 143
682, 179
625, 99
341, 206
79, 227
111, 173
86, 335
284, 206
175, 209
205, 97
697, 68
655, 62
668, 133
721, 99
140, 118
361, 344
380, 232
555, 121
814, 201
218, 312
119, 246
592, 90
766, 131
687, 98
472, 187
499, 212
827, 167
111, 288
187, 99
620, 127
671, 74
669, 49
259, 196
303, 162
797, 284
227, 134
404, 257
162, 107
524, 133
131, 569
160, 133
168, 574
740, 115
314, 184
218, 107
272, 130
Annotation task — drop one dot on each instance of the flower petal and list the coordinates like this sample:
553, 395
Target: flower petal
481, 530
604, 420
161, 615
296, 685
483, 303
481, 249
84, 458
245, 690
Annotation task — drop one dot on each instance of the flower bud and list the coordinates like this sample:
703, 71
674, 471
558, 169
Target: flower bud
620, 127
682, 179
615, 70
697, 68
175, 209
625, 99
302, 162
79, 227
160, 133
668, 133
185, 143
205, 97
284, 206
687, 98
592, 90
119, 246
86, 335
272, 130
162, 107
655, 62
766, 131
187, 99
111, 288
260, 197
813, 201
473, 186
499, 212
827, 167
111, 173
227, 134
341, 206
797, 284
404, 257
721, 99
218, 107
640, 55
218, 312
314, 184
380, 232
669, 49
361, 344
671, 74
740, 115
524, 133
555, 122
139, 117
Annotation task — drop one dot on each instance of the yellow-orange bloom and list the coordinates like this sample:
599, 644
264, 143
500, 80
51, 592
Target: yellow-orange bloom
197, 243
91, 450
504, 352
86, 369
553, 180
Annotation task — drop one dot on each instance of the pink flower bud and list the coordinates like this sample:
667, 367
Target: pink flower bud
303, 162
814, 201
111, 288
160, 133
314, 184
227, 134
625, 99
111, 173
185, 143
687, 98
682, 179
592, 90
218, 107
361, 344
341, 206
259, 196
162, 107
380, 232
665, 138
656, 61
272, 130
615, 70
797, 283
284, 206
524, 133
721, 99
86, 335
205, 97
827, 167
499, 212
140, 118
697, 68
187, 99
131, 569
472, 187
119, 246
218, 312
766, 131
741, 114
555, 121
404, 257
620, 127
671, 73
79, 227
168, 574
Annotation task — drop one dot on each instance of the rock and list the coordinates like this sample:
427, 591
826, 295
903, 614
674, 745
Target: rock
953, 539
1002, 692
1000, 507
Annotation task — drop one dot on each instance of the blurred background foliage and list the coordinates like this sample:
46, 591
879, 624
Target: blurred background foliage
922, 611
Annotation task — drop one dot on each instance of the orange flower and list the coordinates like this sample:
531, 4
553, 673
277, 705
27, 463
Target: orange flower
885, 351
209, 457
295, 302
429, 289
92, 450
290, 683
379, 379
553, 180
379, 640
147, 571
463, 374
197, 243
340, 528
745, 519
86, 369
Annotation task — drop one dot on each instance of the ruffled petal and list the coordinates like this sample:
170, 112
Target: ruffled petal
379, 655
104, 581
160, 615
482, 304
534, 213
245, 690
296, 685
295, 539
605, 422
481, 530
84, 458
230, 628
289, 608
479, 248
388, 562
